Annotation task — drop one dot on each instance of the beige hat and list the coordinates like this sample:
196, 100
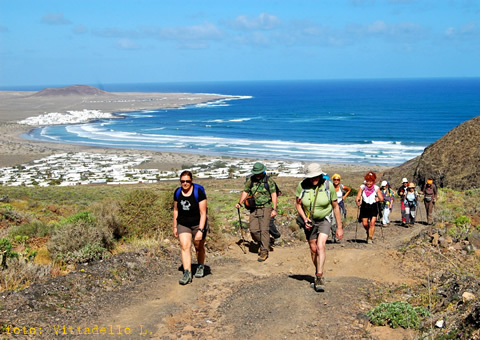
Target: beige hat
313, 170
411, 185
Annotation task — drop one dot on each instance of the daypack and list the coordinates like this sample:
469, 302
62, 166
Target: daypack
326, 186
196, 188
265, 183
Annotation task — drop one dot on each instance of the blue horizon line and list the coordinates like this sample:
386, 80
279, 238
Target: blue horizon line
38, 87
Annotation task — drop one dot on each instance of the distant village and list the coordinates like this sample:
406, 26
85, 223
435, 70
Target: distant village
68, 169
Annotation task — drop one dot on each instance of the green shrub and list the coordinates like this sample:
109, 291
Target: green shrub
83, 216
397, 314
107, 215
6, 252
80, 241
144, 213
35, 228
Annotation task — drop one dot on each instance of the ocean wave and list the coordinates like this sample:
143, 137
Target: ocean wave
380, 152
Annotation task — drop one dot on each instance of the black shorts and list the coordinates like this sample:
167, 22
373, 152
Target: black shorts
368, 210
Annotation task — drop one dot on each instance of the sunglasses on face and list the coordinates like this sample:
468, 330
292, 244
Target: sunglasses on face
185, 181
336, 179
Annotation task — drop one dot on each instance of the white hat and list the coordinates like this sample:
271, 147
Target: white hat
404, 180
384, 184
313, 170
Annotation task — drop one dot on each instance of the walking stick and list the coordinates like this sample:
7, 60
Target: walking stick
241, 244
356, 224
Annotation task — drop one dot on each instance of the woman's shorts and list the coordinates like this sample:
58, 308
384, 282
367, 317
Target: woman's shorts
368, 210
192, 230
318, 227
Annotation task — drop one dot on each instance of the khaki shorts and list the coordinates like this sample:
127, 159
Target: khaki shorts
192, 230
318, 227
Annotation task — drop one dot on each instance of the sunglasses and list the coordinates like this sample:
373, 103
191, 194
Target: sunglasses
185, 181
336, 179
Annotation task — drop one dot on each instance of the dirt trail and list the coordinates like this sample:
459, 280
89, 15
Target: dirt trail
242, 298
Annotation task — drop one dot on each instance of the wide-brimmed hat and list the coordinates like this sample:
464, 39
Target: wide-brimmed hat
411, 185
384, 184
313, 170
404, 180
258, 168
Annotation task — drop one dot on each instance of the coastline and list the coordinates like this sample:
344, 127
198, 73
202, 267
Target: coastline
17, 105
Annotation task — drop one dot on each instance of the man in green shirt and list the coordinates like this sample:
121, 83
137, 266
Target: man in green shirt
263, 190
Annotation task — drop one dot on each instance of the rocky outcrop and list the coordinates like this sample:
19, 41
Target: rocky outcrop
74, 90
453, 161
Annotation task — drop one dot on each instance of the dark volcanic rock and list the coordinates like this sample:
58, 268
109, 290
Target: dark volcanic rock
452, 161
78, 90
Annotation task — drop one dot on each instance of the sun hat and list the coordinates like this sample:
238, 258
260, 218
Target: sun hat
384, 184
411, 185
336, 175
313, 170
404, 180
258, 168
430, 181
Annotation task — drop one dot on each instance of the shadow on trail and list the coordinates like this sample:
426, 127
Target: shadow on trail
303, 277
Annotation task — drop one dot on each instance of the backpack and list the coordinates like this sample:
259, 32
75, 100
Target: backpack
326, 186
196, 188
265, 183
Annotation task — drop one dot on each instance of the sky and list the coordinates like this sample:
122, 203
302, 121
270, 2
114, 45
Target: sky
65, 42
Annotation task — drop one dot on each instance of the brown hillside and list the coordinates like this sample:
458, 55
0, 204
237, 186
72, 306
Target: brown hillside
453, 161
74, 90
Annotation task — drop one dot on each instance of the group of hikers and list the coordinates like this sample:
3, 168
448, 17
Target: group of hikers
320, 203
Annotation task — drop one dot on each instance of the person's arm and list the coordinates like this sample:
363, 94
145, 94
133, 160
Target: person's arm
274, 204
175, 215
358, 200
379, 195
301, 212
243, 196
202, 205
347, 189
338, 218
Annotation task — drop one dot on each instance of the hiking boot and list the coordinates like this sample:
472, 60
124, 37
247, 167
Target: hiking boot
319, 283
186, 278
263, 256
200, 271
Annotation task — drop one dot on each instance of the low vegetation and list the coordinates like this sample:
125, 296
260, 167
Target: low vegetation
48, 231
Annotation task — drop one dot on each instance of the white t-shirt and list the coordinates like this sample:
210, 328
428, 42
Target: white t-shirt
339, 194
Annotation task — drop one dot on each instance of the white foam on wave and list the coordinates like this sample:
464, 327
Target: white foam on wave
380, 152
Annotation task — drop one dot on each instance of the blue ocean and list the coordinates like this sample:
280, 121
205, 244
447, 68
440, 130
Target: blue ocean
384, 122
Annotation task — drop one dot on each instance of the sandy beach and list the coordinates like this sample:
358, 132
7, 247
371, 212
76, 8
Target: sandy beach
19, 105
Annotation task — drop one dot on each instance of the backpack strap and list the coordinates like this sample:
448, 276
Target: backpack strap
196, 188
326, 185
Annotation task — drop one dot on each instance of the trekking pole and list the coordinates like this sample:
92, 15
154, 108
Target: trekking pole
242, 241
356, 224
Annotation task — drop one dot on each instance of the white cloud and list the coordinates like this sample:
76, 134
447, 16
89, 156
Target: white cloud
127, 44
464, 32
55, 19
80, 29
264, 21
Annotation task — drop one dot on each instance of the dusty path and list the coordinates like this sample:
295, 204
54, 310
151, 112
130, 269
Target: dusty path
242, 298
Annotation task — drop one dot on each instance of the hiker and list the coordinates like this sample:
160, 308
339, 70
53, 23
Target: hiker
388, 198
367, 198
342, 192
411, 202
430, 197
260, 197
190, 224
315, 200
401, 194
